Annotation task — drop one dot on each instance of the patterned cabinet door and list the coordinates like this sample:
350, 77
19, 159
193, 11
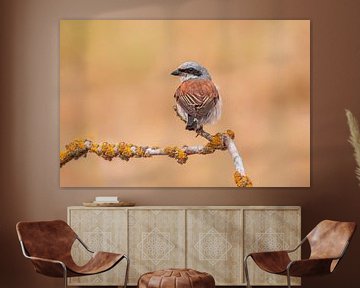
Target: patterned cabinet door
156, 240
101, 230
214, 244
270, 230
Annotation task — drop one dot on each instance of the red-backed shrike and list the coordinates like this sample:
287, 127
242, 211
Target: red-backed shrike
197, 99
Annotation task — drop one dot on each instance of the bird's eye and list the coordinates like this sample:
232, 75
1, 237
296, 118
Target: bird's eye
193, 71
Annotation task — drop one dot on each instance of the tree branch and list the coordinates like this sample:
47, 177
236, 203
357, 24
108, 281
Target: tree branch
220, 141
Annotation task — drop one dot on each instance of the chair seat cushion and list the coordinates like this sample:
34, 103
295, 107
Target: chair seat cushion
176, 278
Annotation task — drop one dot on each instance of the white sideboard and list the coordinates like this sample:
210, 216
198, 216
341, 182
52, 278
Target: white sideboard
212, 239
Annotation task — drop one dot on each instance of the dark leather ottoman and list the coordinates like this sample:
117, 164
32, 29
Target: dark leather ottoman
176, 278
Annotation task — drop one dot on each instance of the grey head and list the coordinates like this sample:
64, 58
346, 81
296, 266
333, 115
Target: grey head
191, 70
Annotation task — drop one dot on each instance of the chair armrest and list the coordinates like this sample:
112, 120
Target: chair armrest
280, 251
268, 253
298, 246
309, 267
45, 260
84, 245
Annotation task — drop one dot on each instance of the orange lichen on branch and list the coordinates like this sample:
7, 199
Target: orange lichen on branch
74, 150
94, 148
176, 153
140, 152
242, 180
216, 142
107, 151
126, 151
230, 133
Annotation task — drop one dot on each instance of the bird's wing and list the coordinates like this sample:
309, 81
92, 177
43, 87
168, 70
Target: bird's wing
197, 97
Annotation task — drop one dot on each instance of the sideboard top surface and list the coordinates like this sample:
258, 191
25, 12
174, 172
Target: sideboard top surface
193, 207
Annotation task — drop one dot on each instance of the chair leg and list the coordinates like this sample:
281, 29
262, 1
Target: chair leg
246, 270
288, 278
127, 271
65, 276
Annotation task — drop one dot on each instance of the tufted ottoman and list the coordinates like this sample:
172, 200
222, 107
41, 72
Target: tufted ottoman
176, 278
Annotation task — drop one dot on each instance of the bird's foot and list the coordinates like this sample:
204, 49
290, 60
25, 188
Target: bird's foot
200, 131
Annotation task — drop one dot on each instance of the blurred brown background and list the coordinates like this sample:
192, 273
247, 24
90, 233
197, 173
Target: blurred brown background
115, 86
29, 126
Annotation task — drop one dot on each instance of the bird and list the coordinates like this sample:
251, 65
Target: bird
197, 98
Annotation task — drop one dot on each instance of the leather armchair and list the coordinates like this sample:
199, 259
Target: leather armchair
48, 245
328, 242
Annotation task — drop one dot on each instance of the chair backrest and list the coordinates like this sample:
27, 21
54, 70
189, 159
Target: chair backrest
46, 239
329, 239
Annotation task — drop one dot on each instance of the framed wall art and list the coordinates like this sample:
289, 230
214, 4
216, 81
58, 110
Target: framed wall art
185, 103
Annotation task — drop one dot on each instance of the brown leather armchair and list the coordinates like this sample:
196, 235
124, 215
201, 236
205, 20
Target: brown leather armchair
328, 242
48, 245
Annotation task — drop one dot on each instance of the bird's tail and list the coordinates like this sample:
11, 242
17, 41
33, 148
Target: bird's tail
192, 123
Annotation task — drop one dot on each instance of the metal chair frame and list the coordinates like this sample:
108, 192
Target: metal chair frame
246, 270
23, 249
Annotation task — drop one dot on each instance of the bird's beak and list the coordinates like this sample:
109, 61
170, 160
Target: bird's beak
176, 72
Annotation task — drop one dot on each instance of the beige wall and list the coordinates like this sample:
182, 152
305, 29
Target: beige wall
29, 112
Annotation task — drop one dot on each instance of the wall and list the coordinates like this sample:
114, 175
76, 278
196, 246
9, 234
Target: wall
29, 111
